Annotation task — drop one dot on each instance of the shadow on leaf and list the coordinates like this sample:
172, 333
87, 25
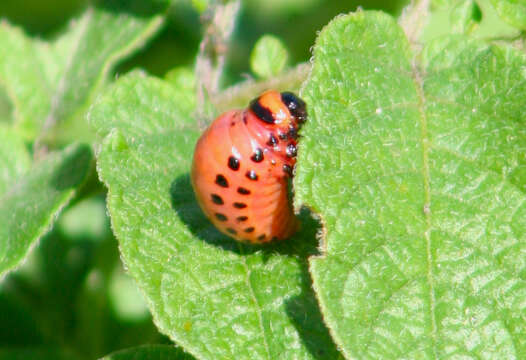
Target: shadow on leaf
74, 168
185, 204
306, 317
302, 309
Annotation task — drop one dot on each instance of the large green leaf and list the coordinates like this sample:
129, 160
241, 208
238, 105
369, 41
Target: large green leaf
216, 298
150, 352
31, 200
417, 168
50, 84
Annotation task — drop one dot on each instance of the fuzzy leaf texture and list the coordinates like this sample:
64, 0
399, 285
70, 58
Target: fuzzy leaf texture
51, 84
32, 196
417, 168
214, 297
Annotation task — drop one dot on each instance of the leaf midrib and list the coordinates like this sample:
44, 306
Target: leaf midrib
418, 82
57, 98
256, 303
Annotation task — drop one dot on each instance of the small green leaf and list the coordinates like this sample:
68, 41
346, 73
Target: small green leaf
216, 298
51, 84
269, 57
465, 16
475, 18
416, 165
150, 352
512, 11
32, 200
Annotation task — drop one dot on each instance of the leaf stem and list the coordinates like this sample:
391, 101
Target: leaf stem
414, 18
219, 23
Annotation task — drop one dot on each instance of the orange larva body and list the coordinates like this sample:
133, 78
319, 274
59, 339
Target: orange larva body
241, 167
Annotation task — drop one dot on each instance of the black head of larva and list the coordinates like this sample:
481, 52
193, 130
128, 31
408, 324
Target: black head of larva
271, 107
264, 114
296, 106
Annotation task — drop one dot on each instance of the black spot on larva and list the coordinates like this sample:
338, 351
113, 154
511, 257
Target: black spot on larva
221, 217
282, 136
252, 175
262, 112
245, 117
232, 123
233, 163
216, 199
249, 229
297, 107
257, 156
272, 141
221, 181
242, 218
291, 151
293, 133
287, 169
262, 237
232, 231
240, 205
243, 191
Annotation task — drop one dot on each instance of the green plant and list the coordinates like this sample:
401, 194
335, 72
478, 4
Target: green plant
410, 185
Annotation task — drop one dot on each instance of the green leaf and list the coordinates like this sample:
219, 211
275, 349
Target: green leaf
269, 56
51, 84
183, 79
31, 201
512, 11
475, 18
14, 158
417, 168
22, 79
280, 8
216, 298
465, 16
150, 352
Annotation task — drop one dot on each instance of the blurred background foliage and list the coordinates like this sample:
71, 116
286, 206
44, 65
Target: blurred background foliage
71, 298
295, 22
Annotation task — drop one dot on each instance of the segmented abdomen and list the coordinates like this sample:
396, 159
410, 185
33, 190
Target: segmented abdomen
241, 179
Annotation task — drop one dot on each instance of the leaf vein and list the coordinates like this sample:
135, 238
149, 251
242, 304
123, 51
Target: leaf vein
418, 82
